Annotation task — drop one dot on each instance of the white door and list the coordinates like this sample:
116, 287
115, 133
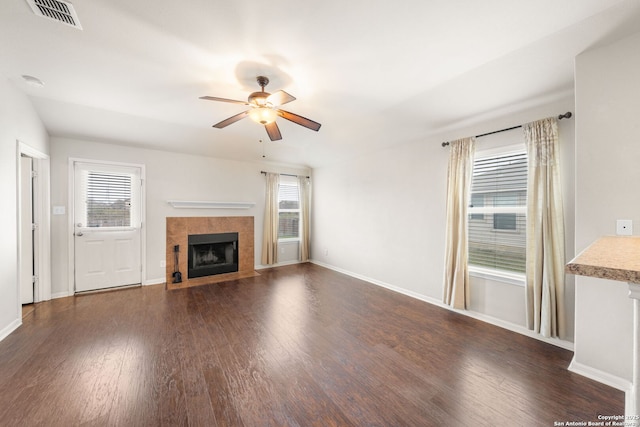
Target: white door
107, 222
26, 230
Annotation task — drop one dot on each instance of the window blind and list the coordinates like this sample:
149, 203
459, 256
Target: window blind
288, 210
108, 199
497, 212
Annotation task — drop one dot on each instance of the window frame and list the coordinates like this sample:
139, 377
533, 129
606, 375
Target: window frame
504, 276
293, 182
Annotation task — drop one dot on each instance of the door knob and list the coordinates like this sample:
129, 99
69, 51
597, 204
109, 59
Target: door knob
79, 233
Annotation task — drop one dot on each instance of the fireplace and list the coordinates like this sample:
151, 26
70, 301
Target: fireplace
211, 254
179, 230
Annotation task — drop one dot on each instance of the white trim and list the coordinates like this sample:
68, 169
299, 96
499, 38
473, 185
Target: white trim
517, 279
42, 238
567, 345
501, 151
178, 204
157, 281
285, 240
60, 295
599, 376
279, 264
71, 216
11, 327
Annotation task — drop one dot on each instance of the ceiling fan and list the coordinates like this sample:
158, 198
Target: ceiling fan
264, 110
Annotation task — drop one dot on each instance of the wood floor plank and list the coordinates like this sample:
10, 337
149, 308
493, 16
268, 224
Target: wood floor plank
296, 346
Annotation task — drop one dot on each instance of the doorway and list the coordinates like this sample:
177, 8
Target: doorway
27, 227
34, 231
107, 225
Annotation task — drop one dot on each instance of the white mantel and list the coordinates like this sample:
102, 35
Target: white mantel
203, 204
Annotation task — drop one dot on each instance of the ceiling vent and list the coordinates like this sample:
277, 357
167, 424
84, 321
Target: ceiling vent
57, 10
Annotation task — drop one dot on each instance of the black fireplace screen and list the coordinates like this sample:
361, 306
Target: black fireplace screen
211, 254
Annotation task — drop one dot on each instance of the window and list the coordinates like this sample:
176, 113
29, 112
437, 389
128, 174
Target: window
107, 195
288, 209
108, 198
497, 211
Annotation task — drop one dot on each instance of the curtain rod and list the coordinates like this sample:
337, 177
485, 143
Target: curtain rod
284, 174
566, 115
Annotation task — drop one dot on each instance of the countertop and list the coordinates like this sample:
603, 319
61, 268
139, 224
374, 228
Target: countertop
609, 257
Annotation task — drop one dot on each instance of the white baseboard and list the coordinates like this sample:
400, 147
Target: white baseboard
567, 345
59, 295
600, 376
280, 264
10, 328
157, 281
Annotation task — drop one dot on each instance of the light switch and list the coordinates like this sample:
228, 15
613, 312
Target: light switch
624, 227
58, 210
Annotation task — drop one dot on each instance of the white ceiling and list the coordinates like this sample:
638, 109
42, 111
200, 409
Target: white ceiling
373, 73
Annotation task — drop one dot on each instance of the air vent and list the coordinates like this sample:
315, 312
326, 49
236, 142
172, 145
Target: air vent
57, 10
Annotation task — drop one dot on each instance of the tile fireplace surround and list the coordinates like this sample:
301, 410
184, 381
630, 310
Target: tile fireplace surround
178, 230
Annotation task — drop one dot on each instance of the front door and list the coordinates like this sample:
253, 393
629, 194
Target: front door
107, 222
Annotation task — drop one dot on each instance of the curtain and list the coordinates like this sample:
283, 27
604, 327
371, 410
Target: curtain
270, 230
456, 280
545, 231
304, 186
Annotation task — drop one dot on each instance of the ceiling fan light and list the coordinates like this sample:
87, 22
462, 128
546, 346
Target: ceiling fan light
263, 115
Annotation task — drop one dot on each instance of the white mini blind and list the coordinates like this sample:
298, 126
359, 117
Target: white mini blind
497, 212
288, 209
108, 199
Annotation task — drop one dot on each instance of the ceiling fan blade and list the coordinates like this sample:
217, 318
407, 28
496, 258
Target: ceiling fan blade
233, 101
273, 131
302, 121
280, 98
231, 120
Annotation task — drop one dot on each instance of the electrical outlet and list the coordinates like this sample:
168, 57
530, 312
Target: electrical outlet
624, 227
163, 264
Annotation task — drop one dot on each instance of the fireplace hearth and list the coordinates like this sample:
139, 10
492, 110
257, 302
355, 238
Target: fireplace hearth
211, 254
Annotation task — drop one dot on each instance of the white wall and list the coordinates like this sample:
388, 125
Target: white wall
169, 176
607, 188
382, 217
18, 121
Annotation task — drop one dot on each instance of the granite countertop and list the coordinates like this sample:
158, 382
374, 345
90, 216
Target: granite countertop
610, 257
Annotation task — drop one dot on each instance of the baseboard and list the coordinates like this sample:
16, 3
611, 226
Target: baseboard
157, 281
567, 345
10, 328
599, 376
279, 264
59, 295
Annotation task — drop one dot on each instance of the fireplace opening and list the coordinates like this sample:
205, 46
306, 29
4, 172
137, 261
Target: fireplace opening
211, 254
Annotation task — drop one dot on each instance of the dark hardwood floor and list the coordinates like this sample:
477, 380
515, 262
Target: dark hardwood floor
297, 346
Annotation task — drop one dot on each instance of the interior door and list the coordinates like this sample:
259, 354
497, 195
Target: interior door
26, 230
107, 223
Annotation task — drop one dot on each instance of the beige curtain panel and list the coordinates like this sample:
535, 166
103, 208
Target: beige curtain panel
456, 271
270, 230
304, 186
545, 231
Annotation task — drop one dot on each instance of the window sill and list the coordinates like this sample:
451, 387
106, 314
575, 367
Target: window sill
289, 240
517, 279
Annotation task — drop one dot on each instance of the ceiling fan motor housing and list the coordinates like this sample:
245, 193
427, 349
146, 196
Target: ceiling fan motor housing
259, 99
